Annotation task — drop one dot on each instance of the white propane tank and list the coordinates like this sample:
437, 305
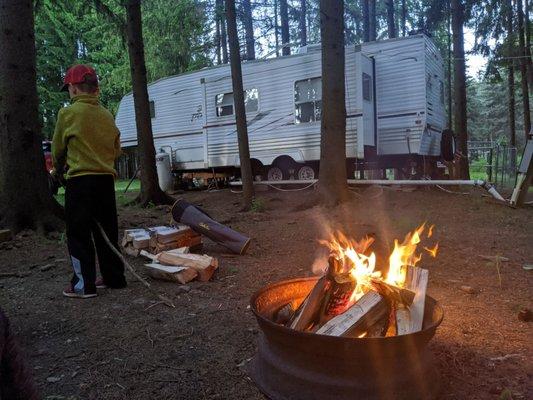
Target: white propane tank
164, 174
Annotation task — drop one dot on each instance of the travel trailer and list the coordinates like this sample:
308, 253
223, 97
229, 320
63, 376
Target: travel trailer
395, 111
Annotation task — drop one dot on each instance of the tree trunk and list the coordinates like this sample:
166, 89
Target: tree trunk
332, 176
276, 27
248, 29
449, 69
510, 74
285, 34
523, 69
25, 199
366, 20
528, 47
218, 39
303, 22
150, 190
404, 18
372, 21
240, 111
390, 18
459, 89
223, 35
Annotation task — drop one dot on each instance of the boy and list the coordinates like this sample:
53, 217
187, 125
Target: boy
84, 148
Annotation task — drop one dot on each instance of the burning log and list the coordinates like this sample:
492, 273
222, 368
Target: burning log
340, 296
368, 310
410, 320
310, 307
393, 293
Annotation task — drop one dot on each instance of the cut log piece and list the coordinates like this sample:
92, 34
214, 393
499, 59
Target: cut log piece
393, 293
203, 264
403, 320
173, 274
410, 320
310, 307
368, 310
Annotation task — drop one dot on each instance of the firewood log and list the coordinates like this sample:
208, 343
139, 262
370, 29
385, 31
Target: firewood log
173, 274
308, 311
410, 320
368, 310
393, 293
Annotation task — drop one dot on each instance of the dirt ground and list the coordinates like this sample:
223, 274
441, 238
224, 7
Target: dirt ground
124, 345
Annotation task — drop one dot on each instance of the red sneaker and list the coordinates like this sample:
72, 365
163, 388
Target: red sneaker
69, 292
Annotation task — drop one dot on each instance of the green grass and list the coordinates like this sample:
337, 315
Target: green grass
120, 185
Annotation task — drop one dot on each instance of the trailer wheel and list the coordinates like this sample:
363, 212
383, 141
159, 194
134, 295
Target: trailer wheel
274, 174
306, 172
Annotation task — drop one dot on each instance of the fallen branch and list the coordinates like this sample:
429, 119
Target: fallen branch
165, 300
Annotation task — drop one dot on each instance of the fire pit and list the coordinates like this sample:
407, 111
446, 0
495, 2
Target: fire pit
300, 365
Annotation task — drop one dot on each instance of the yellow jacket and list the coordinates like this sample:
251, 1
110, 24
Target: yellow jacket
86, 140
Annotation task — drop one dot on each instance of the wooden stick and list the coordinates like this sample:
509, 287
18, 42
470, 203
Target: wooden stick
165, 300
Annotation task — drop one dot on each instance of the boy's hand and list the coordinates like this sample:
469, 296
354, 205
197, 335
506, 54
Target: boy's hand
58, 177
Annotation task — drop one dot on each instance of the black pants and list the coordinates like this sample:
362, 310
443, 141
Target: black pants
91, 198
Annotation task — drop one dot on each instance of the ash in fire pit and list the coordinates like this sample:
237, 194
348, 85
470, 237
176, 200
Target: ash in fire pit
352, 333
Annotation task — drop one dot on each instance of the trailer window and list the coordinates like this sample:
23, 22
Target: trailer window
308, 100
367, 87
441, 86
224, 102
152, 109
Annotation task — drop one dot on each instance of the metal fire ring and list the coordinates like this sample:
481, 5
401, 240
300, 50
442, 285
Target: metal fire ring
293, 365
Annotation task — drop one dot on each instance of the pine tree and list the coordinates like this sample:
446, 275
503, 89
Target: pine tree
25, 200
459, 89
240, 111
150, 190
332, 176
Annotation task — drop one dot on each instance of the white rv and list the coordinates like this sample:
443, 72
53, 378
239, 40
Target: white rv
394, 105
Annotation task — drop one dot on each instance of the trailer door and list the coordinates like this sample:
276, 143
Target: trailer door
365, 103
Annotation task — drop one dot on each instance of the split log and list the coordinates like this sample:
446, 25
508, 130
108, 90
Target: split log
172, 274
310, 307
393, 293
410, 320
367, 311
203, 264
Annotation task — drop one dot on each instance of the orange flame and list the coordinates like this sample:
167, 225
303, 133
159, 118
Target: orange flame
433, 251
360, 264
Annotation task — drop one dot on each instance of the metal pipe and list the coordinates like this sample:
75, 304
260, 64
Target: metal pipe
386, 182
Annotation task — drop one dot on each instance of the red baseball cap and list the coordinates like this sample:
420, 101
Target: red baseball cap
78, 74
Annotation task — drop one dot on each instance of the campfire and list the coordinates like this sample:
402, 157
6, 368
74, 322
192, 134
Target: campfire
355, 299
359, 330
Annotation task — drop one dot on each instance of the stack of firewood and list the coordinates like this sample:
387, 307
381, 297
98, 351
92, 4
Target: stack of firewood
160, 238
380, 310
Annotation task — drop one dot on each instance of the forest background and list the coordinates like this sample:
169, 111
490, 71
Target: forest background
188, 35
